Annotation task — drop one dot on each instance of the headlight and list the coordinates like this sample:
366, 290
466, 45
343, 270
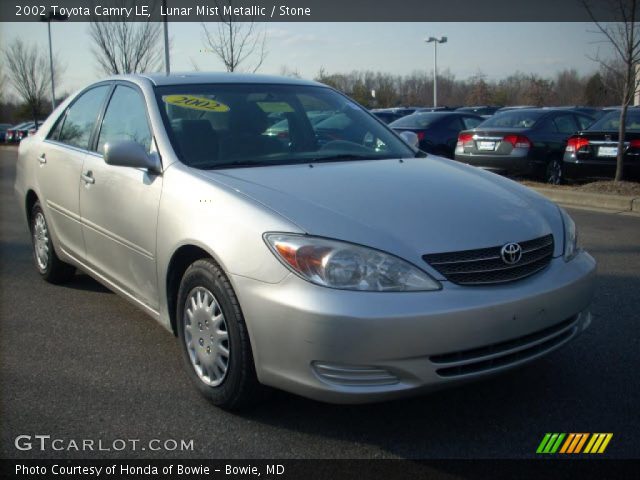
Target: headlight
570, 236
346, 266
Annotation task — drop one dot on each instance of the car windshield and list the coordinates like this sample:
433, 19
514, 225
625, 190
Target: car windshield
513, 119
417, 120
611, 122
240, 125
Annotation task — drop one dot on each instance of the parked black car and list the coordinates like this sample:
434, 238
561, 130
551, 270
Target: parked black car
11, 136
592, 153
482, 110
528, 141
437, 109
3, 130
437, 131
388, 115
514, 107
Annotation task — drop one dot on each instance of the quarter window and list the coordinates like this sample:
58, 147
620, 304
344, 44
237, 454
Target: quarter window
584, 122
125, 119
81, 117
471, 122
564, 124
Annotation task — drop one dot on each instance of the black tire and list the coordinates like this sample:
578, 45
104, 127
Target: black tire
240, 387
554, 173
53, 270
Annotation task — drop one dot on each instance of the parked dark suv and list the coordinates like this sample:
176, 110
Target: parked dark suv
527, 142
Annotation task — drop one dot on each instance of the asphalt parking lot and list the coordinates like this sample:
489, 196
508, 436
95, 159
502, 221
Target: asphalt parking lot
78, 362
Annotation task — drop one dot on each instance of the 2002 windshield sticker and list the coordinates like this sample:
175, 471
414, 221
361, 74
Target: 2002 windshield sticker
195, 103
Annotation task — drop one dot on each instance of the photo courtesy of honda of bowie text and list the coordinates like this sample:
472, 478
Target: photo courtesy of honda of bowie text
313, 239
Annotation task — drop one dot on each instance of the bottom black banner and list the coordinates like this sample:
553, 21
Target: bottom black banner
317, 469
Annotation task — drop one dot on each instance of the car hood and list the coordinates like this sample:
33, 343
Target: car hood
408, 207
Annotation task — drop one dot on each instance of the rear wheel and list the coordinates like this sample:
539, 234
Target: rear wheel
49, 266
554, 173
214, 338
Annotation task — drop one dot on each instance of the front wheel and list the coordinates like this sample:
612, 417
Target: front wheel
49, 266
555, 172
214, 338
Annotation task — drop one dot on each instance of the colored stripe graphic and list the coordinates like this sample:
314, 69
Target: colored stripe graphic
543, 443
598, 442
550, 443
573, 443
581, 442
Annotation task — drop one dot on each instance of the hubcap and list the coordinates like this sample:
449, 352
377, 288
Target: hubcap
554, 173
41, 241
206, 336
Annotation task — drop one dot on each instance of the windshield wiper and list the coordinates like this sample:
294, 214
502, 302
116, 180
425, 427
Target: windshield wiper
236, 164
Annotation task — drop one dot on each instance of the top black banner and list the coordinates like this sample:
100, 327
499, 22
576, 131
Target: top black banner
313, 10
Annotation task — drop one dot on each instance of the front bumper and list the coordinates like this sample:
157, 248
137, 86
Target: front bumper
352, 347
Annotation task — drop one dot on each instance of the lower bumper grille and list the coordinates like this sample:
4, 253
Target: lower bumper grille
347, 375
503, 354
485, 266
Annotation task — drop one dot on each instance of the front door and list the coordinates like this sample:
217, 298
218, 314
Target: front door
119, 205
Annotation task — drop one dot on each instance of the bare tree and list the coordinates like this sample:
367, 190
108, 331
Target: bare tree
29, 73
289, 72
126, 47
3, 81
624, 38
239, 44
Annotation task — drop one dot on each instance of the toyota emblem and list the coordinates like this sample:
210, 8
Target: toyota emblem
511, 253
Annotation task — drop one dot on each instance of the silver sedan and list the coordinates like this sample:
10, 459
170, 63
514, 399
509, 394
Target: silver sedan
327, 258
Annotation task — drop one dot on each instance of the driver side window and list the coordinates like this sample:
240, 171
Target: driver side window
125, 119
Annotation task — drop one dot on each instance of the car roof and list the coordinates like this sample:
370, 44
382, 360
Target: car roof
192, 78
541, 110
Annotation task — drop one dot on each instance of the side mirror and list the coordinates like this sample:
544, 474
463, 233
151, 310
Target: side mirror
410, 138
128, 153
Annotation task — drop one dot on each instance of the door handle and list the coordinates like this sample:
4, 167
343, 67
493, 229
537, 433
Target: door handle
88, 178
42, 159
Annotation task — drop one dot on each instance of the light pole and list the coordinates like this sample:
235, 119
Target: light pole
49, 17
167, 68
435, 41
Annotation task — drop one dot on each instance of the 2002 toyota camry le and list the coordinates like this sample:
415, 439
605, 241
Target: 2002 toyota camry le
329, 259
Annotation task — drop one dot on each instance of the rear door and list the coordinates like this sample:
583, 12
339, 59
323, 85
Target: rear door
60, 160
565, 125
119, 205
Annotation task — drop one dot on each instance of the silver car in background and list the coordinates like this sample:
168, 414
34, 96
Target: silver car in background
331, 260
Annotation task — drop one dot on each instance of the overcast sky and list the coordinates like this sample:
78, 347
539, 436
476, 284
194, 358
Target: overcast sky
495, 49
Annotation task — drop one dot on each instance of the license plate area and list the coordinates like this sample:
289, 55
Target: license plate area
607, 151
486, 146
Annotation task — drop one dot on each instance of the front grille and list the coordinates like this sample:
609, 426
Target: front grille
503, 354
485, 266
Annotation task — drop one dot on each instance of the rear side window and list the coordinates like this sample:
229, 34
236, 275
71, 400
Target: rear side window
583, 121
417, 120
454, 123
81, 117
565, 124
514, 119
125, 119
471, 122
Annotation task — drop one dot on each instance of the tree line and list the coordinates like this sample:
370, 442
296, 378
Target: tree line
567, 87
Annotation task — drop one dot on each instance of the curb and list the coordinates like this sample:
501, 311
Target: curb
620, 203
